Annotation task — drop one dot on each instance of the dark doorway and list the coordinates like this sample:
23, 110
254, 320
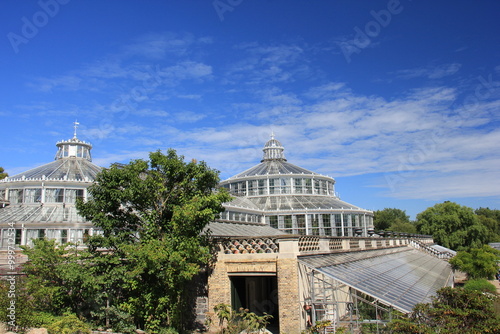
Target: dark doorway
258, 294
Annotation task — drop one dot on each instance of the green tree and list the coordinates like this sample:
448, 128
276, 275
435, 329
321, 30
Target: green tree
152, 214
453, 311
491, 219
477, 262
2, 174
384, 219
453, 226
58, 279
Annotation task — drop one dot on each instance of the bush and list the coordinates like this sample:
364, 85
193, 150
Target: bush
43, 319
480, 285
69, 324
240, 321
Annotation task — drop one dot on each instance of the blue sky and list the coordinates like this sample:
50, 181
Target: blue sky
397, 100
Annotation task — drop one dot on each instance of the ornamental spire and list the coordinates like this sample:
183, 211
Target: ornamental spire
75, 125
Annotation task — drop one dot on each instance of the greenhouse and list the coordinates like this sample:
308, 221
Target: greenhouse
292, 199
41, 201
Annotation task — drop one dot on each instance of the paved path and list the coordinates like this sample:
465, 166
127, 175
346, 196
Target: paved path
497, 284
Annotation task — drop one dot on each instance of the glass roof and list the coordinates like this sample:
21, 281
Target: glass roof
221, 229
62, 169
40, 214
73, 162
399, 277
272, 167
301, 202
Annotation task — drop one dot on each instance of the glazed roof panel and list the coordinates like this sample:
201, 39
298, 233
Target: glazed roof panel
273, 167
400, 277
301, 202
221, 229
40, 214
62, 169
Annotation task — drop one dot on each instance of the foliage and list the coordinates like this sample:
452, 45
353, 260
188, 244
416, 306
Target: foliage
69, 324
241, 321
16, 306
384, 219
3, 175
56, 277
452, 226
480, 285
491, 220
153, 214
453, 311
403, 227
477, 262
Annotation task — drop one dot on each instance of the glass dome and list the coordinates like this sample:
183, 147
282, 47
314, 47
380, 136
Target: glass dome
40, 203
291, 198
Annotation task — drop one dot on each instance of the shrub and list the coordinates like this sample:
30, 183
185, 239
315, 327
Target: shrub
480, 285
69, 324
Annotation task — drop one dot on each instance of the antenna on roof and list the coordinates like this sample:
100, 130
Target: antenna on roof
75, 125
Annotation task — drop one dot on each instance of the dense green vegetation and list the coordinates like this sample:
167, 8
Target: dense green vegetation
453, 311
451, 225
393, 220
477, 263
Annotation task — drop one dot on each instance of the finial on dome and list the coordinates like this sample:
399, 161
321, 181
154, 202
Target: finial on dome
75, 125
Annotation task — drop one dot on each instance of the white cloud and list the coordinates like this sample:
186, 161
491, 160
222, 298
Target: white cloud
430, 72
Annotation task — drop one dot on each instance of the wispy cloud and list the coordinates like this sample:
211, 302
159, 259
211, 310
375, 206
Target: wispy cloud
429, 72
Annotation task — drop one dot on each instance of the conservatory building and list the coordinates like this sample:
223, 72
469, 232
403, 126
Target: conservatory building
292, 199
40, 203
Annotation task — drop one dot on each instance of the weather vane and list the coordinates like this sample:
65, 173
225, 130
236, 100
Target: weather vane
75, 126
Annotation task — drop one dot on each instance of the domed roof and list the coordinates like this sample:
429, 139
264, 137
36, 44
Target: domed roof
273, 163
72, 168
73, 161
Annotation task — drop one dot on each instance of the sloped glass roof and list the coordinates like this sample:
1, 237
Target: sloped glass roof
243, 202
298, 202
399, 277
40, 214
73, 161
273, 167
221, 229
61, 169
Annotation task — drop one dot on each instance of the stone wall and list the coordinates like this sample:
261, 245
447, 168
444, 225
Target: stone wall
288, 296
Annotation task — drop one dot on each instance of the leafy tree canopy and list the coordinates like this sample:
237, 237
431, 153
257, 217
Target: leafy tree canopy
452, 226
384, 219
2, 174
477, 262
491, 219
152, 214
